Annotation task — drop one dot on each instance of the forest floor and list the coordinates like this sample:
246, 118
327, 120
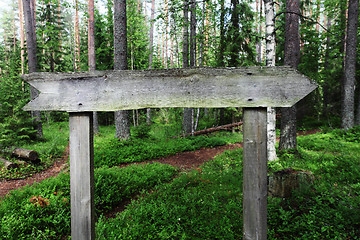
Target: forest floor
186, 161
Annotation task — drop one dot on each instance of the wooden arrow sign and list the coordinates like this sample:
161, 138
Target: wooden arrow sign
196, 87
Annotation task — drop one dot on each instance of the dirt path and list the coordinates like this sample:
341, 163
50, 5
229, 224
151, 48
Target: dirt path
185, 161
60, 164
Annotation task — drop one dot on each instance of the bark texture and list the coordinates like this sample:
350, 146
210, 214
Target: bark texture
270, 61
348, 88
122, 124
292, 58
188, 123
186, 35
151, 52
91, 53
29, 16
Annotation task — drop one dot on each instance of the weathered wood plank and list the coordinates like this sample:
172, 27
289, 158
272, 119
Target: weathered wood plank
198, 87
82, 176
255, 174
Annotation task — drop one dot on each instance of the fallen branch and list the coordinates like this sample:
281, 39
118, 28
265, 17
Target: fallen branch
214, 129
8, 164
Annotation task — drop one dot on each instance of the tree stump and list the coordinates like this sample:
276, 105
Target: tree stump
283, 182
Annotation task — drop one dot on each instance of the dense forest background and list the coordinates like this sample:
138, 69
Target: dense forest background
217, 33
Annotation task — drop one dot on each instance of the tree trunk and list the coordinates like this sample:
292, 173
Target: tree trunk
188, 117
326, 69
22, 35
292, 58
270, 61
151, 37
26, 154
235, 46
122, 124
221, 62
188, 120
91, 53
8, 164
77, 37
258, 44
347, 113
151, 52
193, 34
186, 35
32, 57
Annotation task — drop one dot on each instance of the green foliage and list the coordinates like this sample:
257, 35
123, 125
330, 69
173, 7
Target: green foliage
43, 211
204, 204
137, 33
207, 201
50, 148
15, 124
114, 185
141, 131
51, 29
112, 152
104, 39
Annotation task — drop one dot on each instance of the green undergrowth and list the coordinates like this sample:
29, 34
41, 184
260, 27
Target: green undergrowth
51, 147
203, 204
42, 211
330, 208
112, 152
207, 203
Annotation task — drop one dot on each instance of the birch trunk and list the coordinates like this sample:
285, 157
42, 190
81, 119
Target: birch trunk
270, 61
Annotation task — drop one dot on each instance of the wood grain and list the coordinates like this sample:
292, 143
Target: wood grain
82, 176
255, 174
197, 87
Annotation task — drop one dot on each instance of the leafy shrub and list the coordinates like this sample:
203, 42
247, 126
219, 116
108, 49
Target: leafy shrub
141, 131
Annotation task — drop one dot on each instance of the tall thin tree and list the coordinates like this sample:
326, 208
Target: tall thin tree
151, 50
32, 57
188, 117
292, 58
22, 35
91, 52
270, 61
122, 124
348, 93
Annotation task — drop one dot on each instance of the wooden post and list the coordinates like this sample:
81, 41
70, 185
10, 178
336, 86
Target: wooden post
82, 176
255, 174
